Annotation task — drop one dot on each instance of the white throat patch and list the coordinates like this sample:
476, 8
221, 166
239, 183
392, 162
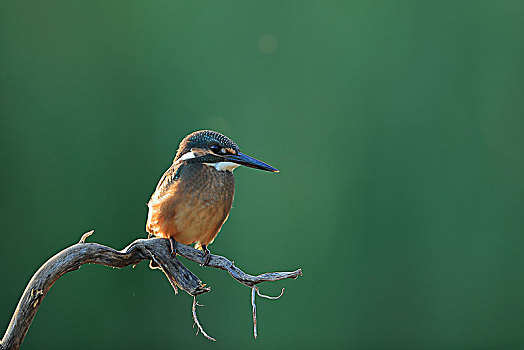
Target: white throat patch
223, 166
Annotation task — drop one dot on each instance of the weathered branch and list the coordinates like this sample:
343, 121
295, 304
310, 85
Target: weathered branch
195, 319
253, 289
157, 250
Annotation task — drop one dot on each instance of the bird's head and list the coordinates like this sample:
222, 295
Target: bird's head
214, 149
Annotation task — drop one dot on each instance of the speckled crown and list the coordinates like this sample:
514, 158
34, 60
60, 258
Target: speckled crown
204, 139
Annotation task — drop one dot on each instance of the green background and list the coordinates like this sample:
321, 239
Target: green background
397, 127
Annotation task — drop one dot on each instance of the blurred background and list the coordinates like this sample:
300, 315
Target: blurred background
397, 127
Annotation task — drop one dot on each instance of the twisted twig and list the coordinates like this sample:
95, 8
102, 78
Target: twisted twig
253, 289
195, 319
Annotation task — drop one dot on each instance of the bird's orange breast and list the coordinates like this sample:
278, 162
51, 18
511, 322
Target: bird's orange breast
193, 207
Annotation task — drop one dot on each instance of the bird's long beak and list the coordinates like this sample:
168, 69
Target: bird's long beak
244, 159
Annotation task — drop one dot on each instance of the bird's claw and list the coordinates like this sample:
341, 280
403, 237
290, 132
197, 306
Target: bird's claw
173, 244
206, 255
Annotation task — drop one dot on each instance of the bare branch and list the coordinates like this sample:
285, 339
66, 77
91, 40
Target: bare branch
254, 311
157, 250
254, 306
223, 263
85, 235
270, 297
195, 318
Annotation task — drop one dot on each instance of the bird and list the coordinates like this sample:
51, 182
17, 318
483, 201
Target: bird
195, 194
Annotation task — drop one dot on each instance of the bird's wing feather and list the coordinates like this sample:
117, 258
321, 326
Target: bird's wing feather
168, 178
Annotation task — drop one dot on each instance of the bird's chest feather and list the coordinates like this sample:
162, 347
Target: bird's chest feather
208, 199
204, 186
194, 207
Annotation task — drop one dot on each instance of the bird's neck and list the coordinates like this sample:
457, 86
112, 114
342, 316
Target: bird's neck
201, 176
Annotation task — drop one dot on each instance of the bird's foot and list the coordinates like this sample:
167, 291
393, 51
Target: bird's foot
173, 244
207, 255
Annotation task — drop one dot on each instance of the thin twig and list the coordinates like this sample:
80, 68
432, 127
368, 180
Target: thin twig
270, 297
195, 318
85, 235
253, 304
159, 265
254, 311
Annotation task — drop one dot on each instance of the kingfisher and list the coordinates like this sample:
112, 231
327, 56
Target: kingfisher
194, 196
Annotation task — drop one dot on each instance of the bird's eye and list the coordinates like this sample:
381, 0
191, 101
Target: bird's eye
214, 148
